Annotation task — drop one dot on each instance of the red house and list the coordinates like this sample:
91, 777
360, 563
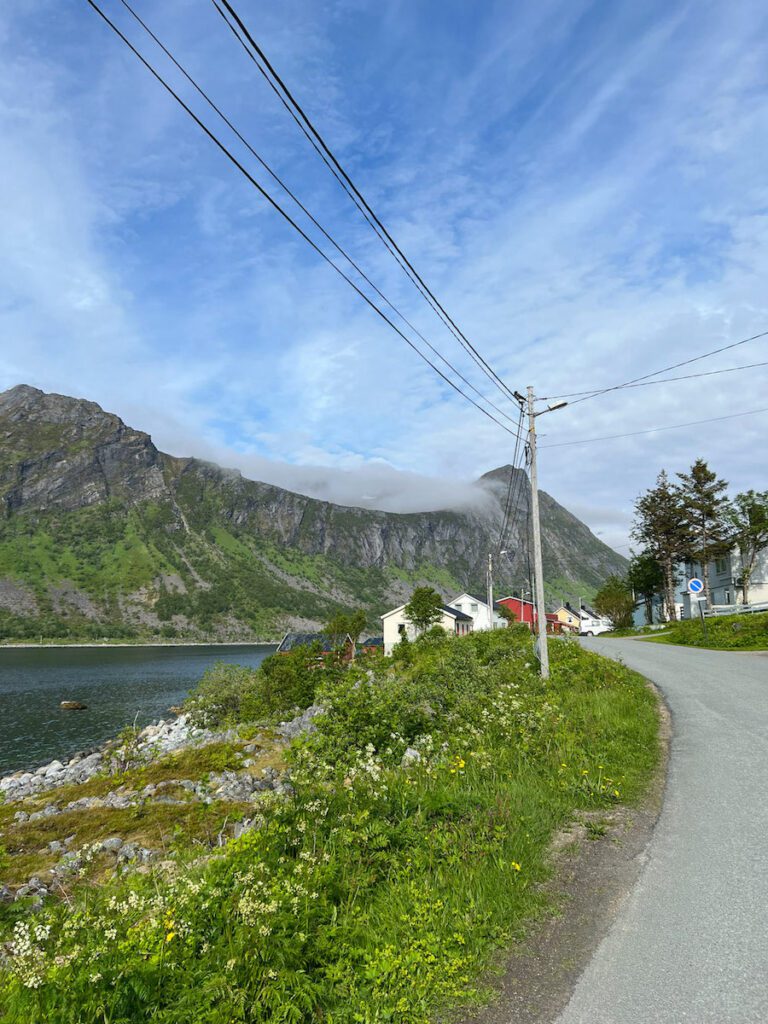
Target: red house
525, 611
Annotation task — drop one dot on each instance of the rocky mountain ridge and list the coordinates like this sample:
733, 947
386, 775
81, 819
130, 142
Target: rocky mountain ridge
102, 533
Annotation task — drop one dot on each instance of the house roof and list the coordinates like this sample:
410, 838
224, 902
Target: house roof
373, 641
456, 614
293, 640
512, 597
453, 612
473, 597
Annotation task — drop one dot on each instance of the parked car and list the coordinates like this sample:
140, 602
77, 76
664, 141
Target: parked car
594, 626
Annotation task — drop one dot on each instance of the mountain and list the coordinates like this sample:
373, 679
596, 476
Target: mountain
101, 534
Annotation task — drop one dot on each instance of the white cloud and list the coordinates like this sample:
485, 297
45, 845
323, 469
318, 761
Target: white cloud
587, 198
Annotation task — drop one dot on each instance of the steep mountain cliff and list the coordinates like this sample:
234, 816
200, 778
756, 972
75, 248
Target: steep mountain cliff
102, 534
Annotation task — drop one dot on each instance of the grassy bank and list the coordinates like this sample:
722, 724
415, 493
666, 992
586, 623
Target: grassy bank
413, 846
724, 633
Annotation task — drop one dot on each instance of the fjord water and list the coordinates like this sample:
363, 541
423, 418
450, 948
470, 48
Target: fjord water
119, 685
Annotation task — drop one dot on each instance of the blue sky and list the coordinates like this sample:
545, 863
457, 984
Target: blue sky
582, 185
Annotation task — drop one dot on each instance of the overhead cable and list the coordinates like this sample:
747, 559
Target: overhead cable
241, 32
666, 369
307, 212
654, 430
276, 206
663, 380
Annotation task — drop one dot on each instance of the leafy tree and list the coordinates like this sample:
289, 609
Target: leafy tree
356, 622
662, 528
507, 614
424, 609
645, 577
747, 517
705, 506
343, 624
614, 600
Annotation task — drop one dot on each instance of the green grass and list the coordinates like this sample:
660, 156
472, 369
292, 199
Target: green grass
724, 633
375, 893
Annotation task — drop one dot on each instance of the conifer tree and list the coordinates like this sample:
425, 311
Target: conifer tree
705, 506
661, 527
747, 516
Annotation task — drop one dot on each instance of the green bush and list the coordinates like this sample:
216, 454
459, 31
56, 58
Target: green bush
379, 889
724, 633
229, 694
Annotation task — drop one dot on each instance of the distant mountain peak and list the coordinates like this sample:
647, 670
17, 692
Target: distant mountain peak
143, 533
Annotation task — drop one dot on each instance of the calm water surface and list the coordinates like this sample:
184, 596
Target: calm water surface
119, 684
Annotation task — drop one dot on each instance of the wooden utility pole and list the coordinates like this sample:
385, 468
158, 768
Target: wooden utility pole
538, 568
490, 590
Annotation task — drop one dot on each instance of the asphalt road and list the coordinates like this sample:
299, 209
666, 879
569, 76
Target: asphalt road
690, 943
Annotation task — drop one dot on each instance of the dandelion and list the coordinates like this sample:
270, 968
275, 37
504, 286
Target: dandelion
516, 866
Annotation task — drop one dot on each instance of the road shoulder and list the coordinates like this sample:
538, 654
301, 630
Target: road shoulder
594, 872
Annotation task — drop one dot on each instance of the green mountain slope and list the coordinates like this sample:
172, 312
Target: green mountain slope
101, 534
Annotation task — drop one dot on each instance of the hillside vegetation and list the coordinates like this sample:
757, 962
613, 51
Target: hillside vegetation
412, 843
102, 535
724, 633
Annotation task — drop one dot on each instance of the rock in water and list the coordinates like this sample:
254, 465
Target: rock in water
73, 705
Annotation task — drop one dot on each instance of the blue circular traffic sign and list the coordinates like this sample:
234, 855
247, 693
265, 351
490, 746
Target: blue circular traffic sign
695, 586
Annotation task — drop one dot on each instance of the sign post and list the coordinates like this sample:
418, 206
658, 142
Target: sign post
695, 589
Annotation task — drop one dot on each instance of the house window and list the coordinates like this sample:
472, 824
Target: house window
727, 597
721, 565
473, 608
401, 629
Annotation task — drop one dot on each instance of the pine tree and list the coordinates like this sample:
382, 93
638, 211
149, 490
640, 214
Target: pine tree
662, 528
747, 516
705, 506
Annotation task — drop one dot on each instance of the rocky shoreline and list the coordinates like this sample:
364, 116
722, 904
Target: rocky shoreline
242, 787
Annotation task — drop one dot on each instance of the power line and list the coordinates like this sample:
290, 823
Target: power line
304, 210
307, 127
288, 218
666, 369
664, 380
654, 430
513, 478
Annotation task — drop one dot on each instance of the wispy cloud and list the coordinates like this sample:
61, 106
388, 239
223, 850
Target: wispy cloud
584, 190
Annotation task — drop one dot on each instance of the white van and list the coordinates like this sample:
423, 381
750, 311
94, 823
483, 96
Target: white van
594, 627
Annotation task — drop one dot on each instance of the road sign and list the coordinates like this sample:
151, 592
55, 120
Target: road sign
695, 586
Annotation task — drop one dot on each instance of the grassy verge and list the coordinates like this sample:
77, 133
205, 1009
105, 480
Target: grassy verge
414, 845
724, 633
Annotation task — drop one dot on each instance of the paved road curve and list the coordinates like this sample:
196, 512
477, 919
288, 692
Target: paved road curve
690, 945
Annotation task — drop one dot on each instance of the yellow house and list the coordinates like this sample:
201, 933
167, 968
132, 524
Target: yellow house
569, 618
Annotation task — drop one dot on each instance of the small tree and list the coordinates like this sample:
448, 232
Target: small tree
614, 600
645, 577
424, 609
343, 625
356, 623
337, 628
747, 517
705, 506
662, 528
507, 614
